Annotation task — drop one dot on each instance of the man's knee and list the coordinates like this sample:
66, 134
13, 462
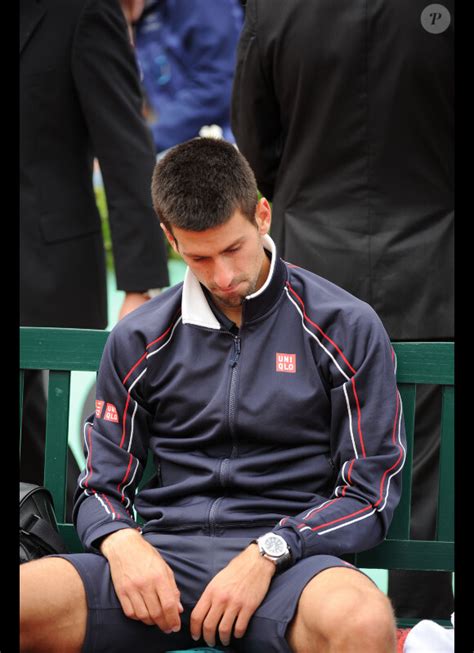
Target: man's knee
53, 608
340, 609
353, 614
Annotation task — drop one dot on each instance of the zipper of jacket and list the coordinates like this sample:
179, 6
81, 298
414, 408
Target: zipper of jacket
230, 420
232, 393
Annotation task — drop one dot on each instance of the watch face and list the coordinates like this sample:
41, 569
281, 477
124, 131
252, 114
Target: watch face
274, 545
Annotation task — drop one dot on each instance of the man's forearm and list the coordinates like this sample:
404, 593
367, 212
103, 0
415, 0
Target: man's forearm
114, 541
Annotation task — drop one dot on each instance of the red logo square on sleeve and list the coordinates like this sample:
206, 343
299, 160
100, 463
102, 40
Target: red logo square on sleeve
111, 414
99, 404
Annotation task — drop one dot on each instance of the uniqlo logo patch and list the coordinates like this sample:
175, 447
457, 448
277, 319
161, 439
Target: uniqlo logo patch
286, 363
111, 413
99, 405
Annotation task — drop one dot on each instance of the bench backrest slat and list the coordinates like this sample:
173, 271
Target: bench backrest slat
57, 421
425, 362
61, 349
445, 525
22, 385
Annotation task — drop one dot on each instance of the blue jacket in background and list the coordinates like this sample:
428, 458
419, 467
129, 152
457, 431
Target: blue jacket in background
186, 52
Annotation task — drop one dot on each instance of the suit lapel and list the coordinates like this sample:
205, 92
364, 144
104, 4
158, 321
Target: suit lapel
31, 14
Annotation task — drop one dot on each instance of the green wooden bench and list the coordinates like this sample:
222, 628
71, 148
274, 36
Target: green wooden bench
64, 350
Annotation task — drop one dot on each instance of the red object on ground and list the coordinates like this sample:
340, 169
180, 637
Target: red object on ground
401, 637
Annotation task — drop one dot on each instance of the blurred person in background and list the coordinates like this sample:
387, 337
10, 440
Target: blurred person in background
80, 97
186, 54
345, 111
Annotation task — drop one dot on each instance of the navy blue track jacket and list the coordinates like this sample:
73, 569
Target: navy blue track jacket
291, 423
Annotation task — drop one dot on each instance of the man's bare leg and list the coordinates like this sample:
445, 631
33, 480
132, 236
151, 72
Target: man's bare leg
342, 610
53, 608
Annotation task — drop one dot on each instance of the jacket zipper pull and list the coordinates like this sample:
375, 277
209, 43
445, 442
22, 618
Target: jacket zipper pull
236, 355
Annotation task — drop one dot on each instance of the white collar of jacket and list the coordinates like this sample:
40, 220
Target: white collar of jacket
194, 305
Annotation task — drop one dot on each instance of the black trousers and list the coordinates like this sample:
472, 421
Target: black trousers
33, 439
424, 594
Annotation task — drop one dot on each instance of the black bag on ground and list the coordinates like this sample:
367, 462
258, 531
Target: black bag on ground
39, 535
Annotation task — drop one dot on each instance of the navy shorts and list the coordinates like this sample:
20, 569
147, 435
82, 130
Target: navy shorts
195, 560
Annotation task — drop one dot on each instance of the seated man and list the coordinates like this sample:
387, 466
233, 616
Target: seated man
268, 398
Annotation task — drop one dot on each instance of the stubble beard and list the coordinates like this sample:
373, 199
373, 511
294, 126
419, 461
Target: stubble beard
234, 301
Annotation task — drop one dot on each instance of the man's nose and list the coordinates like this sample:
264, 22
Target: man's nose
223, 274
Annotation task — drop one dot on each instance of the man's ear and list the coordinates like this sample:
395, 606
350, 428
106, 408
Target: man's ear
263, 216
170, 238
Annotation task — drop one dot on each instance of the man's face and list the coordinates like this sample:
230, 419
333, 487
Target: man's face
229, 260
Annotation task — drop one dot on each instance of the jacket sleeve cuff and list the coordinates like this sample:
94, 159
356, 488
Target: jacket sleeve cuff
293, 540
92, 541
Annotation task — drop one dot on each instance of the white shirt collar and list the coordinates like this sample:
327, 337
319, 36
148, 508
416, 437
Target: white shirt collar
194, 305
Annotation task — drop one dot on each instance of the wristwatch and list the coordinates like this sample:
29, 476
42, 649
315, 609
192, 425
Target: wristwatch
275, 548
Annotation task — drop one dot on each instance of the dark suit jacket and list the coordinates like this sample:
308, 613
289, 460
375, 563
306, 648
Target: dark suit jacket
345, 112
80, 97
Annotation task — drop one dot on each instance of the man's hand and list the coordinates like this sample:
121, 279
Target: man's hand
132, 301
232, 596
144, 583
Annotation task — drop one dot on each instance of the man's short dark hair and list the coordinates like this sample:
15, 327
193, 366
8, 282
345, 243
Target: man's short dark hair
199, 184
